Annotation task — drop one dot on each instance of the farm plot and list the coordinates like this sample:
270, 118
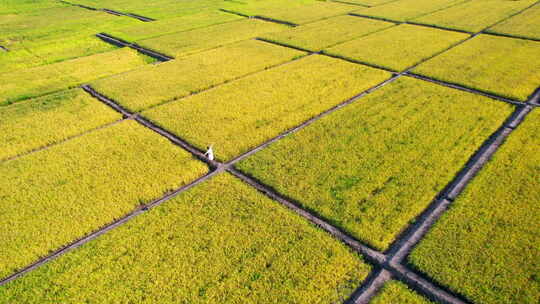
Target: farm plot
498, 65
220, 241
189, 42
404, 10
490, 248
257, 7
321, 34
45, 79
397, 48
374, 165
242, 114
35, 123
67, 35
54, 196
526, 24
397, 292
174, 25
309, 13
156, 84
474, 16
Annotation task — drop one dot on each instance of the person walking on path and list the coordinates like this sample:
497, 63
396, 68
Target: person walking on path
209, 153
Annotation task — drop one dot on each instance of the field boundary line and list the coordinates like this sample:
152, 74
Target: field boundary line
122, 43
110, 11
3, 48
309, 121
511, 15
352, 3
151, 125
370, 287
372, 255
412, 235
59, 142
466, 89
116, 223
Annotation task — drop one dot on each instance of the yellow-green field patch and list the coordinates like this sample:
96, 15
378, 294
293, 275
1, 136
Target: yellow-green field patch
499, 65
397, 48
40, 80
39, 122
374, 165
156, 84
395, 292
173, 25
474, 16
221, 241
485, 246
526, 24
318, 35
242, 114
55, 196
189, 42
403, 10
309, 13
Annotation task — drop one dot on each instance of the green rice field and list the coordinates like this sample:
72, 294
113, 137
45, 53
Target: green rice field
270, 151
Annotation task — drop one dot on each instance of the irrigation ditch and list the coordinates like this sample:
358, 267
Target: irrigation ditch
122, 43
110, 11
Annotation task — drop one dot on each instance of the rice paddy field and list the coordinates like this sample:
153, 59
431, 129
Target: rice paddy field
270, 151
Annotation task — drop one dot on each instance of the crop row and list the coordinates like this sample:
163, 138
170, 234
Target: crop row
502, 66
39, 122
197, 40
45, 79
328, 32
54, 196
373, 166
155, 84
240, 115
486, 246
221, 241
474, 16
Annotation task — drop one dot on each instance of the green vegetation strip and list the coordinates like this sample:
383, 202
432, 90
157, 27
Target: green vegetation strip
220, 241
474, 16
486, 246
156, 84
397, 48
318, 35
498, 65
173, 25
397, 292
403, 10
309, 13
36, 123
52, 197
526, 24
197, 40
54, 77
240, 115
374, 165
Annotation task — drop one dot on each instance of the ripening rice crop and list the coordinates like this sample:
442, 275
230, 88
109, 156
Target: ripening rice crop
40, 80
403, 10
197, 40
171, 80
374, 165
39, 122
485, 246
328, 32
55, 196
257, 7
526, 24
397, 48
242, 114
499, 65
174, 25
369, 2
219, 242
395, 292
474, 16
309, 13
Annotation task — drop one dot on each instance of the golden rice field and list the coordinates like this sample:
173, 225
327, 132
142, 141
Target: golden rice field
270, 151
